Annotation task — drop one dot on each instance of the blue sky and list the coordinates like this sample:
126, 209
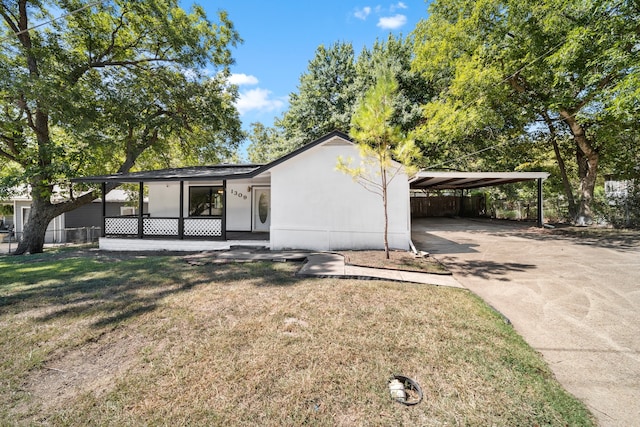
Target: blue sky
281, 37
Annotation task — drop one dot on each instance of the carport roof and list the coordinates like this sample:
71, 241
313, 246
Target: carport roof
438, 180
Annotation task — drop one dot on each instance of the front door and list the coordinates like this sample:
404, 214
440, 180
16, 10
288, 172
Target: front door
261, 209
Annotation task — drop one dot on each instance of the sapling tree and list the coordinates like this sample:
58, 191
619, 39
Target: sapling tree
385, 150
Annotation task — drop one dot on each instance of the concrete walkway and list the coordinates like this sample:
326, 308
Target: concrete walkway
324, 264
575, 300
333, 265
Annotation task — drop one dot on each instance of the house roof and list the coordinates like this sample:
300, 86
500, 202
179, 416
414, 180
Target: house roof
194, 173
207, 173
437, 180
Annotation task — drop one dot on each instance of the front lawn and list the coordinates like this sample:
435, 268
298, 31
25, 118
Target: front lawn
96, 338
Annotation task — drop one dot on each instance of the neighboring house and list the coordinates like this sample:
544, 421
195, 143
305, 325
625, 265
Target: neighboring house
300, 201
616, 190
73, 225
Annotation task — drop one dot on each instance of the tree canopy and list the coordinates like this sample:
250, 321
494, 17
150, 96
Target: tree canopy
505, 69
325, 96
330, 88
105, 86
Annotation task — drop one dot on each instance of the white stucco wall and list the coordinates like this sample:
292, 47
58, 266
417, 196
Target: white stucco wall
238, 205
316, 207
164, 199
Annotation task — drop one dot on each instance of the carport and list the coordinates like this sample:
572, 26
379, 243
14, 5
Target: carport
440, 180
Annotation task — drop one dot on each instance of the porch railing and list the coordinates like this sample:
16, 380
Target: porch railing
206, 227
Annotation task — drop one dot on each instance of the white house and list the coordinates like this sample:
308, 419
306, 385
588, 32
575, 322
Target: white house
300, 201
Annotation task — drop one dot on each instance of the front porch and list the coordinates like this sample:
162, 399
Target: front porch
189, 209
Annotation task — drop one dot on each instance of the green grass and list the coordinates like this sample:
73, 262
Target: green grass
92, 338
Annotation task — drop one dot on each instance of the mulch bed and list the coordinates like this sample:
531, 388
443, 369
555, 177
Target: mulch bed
398, 260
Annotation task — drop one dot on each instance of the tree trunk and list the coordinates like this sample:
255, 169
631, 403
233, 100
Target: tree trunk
568, 190
42, 213
386, 211
35, 229
588, 158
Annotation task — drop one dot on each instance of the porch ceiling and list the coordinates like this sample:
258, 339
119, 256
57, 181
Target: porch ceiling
436, 180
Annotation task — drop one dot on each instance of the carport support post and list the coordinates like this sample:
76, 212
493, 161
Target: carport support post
540, 204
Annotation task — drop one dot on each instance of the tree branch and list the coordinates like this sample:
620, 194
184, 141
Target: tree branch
11, 145
9, 18
601, 85
8, 155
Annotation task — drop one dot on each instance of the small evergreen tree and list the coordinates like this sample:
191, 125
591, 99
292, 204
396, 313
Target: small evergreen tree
385, 149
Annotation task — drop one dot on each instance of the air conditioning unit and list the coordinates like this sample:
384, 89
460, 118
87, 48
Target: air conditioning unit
127, 210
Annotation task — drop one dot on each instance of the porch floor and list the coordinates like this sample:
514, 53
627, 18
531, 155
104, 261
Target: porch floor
247, 235
257, 240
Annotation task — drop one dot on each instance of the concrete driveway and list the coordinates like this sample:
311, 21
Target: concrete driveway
576, 301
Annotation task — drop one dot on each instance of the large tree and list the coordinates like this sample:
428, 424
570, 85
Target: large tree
325, 98
329, 89
505, 67
413, 90
324, 102
95, 89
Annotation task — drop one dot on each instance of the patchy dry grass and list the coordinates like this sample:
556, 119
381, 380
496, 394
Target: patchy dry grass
398, 260
93, 338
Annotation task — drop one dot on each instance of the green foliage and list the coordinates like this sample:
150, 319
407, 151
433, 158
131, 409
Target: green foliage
111, 85
505, 68
622, 210
412, 90
377, 136
328, 92
325, 96
6, 209
112, 81
267, 144
381, 142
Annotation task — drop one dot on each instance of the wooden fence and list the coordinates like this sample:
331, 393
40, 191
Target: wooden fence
469, 206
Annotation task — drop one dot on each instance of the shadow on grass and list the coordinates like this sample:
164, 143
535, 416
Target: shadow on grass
113, 288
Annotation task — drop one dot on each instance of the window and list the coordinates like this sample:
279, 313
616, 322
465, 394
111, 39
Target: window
205, 201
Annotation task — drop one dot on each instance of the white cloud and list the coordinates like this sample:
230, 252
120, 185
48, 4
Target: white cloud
243, 79
258, 100
392, 22
362, 13
399, 5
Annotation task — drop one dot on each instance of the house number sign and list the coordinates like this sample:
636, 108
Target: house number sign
237, 193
